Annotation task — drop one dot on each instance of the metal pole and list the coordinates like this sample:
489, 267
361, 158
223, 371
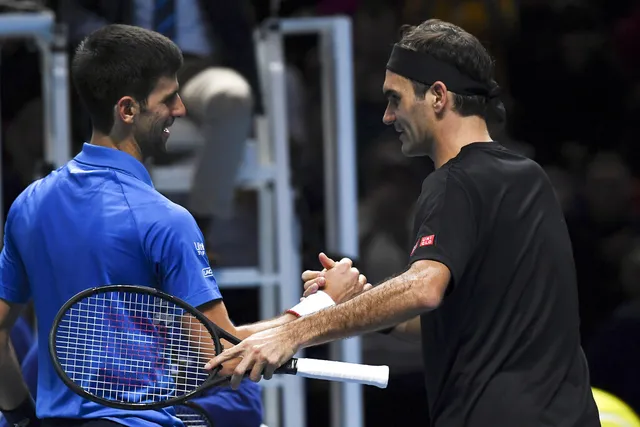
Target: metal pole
346, 231
60, 152
288, 257
340, 177
267, 224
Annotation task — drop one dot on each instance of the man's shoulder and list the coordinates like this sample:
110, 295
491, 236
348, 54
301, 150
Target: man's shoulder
485, 167
437, 181
161, 213
38, 189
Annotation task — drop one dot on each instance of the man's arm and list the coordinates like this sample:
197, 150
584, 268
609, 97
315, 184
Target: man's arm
417, 290
217, 312
15, 401
315, 281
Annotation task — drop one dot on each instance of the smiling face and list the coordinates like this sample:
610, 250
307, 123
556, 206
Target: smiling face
409, 114
150, 122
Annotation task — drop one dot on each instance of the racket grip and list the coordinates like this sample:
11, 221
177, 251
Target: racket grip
337, 371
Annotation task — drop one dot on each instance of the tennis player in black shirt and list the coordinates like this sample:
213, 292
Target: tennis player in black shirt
491, 273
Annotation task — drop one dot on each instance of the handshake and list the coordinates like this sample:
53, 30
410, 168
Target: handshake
338, 279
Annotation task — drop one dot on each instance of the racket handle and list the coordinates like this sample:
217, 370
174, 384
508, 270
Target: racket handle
337, 371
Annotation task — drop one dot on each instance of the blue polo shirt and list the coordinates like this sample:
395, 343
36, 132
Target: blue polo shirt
98, 220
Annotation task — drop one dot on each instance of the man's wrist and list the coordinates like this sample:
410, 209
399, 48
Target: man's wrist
315, 302
24, 415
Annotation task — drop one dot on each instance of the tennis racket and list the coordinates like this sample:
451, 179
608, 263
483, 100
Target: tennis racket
135, 347
192, 415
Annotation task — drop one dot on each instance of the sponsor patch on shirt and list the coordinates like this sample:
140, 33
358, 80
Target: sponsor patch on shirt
424, 241
207, 272
427, 240
200, 248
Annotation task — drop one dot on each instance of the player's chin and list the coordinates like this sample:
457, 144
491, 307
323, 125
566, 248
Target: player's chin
160, 142
410, 150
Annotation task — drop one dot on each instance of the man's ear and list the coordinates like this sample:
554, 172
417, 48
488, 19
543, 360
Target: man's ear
126, 109
440, 96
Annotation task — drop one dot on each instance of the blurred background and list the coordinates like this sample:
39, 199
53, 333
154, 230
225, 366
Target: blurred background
570, 77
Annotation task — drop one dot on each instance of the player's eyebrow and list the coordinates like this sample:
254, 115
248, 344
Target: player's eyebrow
171, 95
388, 93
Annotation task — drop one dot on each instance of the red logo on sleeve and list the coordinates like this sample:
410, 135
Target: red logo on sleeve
423, 241
427, 240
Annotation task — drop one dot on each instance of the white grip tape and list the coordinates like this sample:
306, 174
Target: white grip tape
315, 302
343, 372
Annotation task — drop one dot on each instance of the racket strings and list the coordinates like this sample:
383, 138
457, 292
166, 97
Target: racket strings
191, 417
133, 347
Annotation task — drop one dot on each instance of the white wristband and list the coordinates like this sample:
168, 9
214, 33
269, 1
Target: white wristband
311, 304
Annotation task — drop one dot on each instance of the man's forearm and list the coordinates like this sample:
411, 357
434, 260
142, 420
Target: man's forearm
390, 303
13, 390
244, 331
309, 305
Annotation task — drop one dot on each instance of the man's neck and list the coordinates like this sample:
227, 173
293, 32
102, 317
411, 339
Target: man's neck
126, 144
454, 134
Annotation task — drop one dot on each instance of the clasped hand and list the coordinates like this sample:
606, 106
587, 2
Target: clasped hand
263, 352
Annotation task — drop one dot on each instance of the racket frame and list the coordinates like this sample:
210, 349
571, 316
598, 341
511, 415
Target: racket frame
215, 331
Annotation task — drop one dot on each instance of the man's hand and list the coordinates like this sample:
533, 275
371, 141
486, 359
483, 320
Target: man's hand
316, 280
260, 354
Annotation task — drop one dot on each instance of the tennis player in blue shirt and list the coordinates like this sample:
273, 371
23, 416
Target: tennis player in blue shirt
98, 220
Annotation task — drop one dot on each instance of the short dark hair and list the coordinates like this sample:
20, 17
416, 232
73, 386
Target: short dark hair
119, 60
451, 44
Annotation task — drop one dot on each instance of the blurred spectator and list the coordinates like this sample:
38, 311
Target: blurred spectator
563, 185
602, 230
219, 82
627, 42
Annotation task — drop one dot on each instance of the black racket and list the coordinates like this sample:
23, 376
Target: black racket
135, 347
192, 415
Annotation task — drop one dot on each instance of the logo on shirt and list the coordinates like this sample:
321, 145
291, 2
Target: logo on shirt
427, 240
207, 272
424, 241
200, 248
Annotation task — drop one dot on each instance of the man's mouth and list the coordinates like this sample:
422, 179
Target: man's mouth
166, 130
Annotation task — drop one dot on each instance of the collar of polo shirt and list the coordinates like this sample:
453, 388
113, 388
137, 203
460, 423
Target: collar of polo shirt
115, 159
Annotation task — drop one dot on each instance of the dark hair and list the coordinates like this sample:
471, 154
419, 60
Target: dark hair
451, 44
120, 60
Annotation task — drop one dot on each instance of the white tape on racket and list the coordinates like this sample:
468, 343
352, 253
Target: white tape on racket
343, 372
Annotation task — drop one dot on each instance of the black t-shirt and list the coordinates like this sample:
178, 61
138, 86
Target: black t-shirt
503, 348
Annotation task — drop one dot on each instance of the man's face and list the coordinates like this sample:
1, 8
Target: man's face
151, 126
408, 114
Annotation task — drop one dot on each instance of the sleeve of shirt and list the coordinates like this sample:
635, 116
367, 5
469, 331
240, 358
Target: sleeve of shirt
446, 220
175, 245
14, 284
